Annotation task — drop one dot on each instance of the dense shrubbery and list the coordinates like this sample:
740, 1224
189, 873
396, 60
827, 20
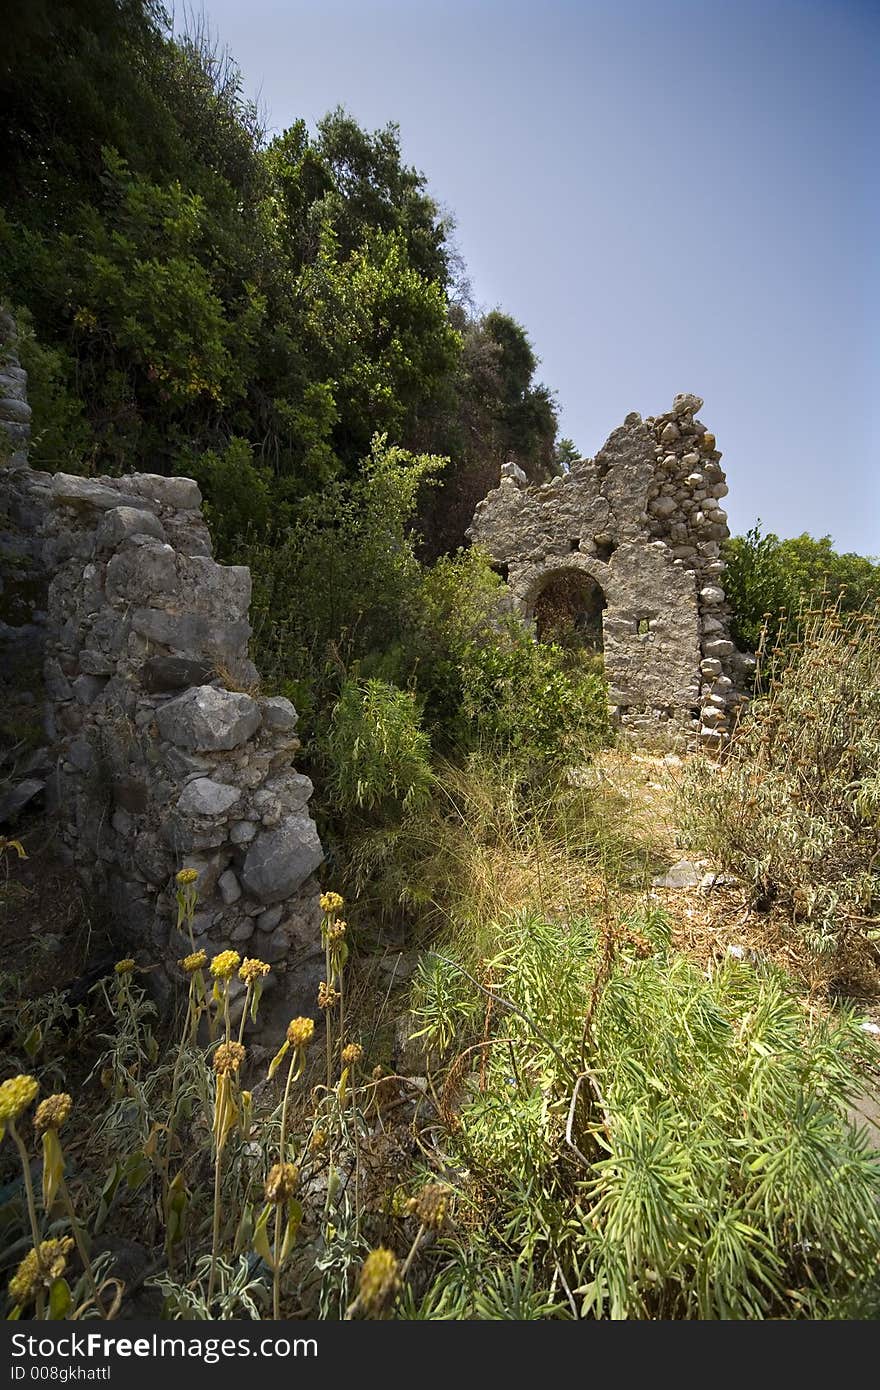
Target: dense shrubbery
639, 1140
770, 582
195, 287
397, 668
346, 596
378, 752
795, 807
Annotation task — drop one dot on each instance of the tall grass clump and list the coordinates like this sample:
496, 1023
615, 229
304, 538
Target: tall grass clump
794, 809
637, 1139
379, 754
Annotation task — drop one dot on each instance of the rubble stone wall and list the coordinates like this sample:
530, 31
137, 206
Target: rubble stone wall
643, 520
161, 753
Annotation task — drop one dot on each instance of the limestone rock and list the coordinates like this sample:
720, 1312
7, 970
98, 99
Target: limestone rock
230, 889
279, 714
162, 674
195, 636
144, 572
204, 797
242, 832
15, 410
280, 860
205, 719
513, 470
720, 647
73, 491
180, 494
683, 874
14, 801
268, 920
119, 523
686, 404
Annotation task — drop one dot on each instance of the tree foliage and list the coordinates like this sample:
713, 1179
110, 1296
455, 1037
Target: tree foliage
196, 283
769, 580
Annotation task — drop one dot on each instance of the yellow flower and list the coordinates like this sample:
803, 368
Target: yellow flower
252, 970
430, 1205
338, 930
16, 1095
228, 1058
39, 1267
53, 1112
330, 902
186, 876
281, 1183
300, 1031
194, 962
318, 1141
328, 997
224, 966
352, 1054
124, 967
379, 1280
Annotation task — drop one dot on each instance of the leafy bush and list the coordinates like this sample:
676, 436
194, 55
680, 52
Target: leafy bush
795, 807
379, 754
238, 492
338, 590
527, 698
650, 1141
771, 581
61, 438
201, 282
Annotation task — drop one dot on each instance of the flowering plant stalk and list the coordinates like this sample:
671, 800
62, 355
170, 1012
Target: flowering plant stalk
193, 966
51, 1114
300, 1032
333, 932
227, 1063
16, 1096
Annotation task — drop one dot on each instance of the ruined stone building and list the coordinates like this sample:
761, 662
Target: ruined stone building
159, 751
629, 541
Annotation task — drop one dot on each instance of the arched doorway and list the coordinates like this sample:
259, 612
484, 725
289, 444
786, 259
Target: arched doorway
568, 611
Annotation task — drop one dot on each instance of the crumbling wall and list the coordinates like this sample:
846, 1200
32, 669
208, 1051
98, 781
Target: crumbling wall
643, 519
163, 753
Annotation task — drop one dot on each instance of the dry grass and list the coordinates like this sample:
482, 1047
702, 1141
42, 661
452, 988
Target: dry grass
629, 836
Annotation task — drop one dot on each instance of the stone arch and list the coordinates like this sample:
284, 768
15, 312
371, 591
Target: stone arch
566, 602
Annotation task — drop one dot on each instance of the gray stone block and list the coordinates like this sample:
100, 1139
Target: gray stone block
205, 719
280, 860
204, 797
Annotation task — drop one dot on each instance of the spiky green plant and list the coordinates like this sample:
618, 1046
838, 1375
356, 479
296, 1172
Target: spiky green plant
672, 1144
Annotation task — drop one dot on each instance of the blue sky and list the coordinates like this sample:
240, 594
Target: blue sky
669, 195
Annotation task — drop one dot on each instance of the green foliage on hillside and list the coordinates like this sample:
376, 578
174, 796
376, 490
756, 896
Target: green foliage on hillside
195, 287
769, 581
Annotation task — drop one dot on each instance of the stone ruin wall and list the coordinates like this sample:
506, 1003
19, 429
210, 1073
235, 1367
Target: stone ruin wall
643, 520
161, 754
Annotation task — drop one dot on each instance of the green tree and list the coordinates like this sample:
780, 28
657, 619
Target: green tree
771, 580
